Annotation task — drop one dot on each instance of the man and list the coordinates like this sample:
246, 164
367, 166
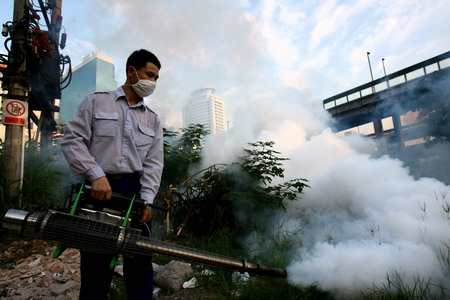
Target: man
115, 142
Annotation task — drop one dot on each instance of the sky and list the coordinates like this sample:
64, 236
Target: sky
273, 62
248, 50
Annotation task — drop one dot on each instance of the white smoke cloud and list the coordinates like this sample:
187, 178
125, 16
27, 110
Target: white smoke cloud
348, 268
368, 217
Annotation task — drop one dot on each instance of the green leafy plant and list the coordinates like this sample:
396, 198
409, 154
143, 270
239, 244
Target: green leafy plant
207, 200
261, 162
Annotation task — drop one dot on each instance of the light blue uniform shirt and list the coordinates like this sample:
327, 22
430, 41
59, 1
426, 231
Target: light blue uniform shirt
107, 135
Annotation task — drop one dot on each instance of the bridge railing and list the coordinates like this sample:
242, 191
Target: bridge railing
413, 72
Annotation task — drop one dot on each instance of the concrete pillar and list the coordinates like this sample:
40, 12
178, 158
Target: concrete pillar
379, 134
17, 90
398, 133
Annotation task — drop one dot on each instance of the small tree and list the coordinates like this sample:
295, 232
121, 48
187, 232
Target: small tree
207, 200
261, 162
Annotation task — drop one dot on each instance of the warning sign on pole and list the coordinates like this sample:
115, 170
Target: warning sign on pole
15, 112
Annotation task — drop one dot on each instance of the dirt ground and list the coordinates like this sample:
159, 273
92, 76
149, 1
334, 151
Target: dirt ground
28, 271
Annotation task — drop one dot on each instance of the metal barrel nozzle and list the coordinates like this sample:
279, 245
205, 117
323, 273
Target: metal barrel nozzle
208, 258
14, 219
104, 238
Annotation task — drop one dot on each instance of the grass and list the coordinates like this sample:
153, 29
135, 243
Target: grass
421, 288
44, 180
395, 289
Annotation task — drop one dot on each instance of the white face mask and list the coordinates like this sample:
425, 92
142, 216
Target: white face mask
144, 87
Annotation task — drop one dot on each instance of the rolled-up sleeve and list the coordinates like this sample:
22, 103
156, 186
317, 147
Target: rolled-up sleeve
153, 166
76, 141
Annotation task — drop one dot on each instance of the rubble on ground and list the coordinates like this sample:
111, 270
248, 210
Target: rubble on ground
28, 271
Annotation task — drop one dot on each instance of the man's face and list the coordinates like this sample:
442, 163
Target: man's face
148, 72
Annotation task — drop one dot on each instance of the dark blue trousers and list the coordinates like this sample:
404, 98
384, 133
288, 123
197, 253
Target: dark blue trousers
96, 275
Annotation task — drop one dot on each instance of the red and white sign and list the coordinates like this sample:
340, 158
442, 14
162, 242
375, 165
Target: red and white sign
15, 112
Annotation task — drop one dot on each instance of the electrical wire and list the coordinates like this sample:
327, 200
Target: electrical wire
68, 78
3, 59
29, 25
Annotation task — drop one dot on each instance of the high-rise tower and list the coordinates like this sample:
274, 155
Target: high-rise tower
206, 108
94, 74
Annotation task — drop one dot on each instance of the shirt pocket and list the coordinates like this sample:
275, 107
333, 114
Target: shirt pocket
106, 124
144, 137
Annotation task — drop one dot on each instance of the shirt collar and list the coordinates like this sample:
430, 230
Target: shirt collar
120, 94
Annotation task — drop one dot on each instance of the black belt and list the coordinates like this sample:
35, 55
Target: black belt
126, 176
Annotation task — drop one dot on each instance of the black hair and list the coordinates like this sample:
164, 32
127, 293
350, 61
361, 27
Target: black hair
139, 59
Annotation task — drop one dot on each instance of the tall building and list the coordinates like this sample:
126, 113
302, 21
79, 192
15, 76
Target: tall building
206, 108
94, 74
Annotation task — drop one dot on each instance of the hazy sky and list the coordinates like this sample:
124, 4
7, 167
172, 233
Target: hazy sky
248, 50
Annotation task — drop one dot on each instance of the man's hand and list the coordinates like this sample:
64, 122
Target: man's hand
146, 214
101, 189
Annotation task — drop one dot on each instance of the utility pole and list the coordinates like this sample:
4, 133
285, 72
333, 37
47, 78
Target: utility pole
33, 80
17, 90
55, 21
